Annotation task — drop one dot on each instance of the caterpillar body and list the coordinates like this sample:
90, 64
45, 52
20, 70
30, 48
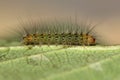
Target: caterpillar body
63, 38
60, 33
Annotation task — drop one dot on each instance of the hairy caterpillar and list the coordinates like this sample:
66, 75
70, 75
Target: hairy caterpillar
58, 33
63, 38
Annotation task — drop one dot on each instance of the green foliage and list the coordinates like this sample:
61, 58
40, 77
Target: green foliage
59, 63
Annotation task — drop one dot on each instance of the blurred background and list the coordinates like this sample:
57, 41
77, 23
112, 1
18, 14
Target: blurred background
105, 12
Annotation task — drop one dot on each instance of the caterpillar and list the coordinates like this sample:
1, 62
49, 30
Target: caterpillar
59, 38
58, 33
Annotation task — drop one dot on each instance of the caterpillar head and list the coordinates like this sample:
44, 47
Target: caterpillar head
31, 39
87, 39
91, 40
